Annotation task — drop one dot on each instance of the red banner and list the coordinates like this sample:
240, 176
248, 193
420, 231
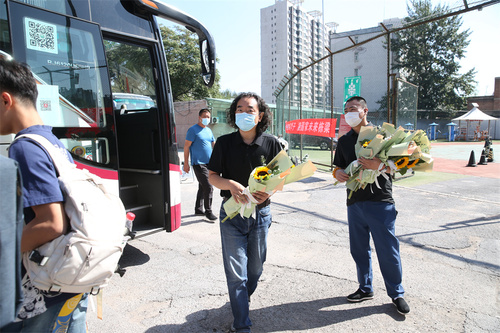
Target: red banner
318, 127
343, 127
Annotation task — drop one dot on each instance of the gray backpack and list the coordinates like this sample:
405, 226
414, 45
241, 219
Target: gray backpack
84, 259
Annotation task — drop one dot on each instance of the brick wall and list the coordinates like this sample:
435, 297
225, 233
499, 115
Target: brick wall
186, 115
488, 104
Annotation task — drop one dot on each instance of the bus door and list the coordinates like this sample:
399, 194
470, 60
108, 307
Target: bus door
143, 158
68, 58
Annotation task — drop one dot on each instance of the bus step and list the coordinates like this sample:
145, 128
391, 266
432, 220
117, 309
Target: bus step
131, 187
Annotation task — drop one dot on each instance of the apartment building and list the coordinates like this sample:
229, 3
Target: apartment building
369, 61
292, 38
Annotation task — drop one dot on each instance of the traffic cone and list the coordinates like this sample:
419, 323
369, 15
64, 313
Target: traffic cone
490, 155
472, 160
482, 160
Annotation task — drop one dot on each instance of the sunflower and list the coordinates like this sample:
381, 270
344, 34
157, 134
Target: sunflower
411, 164
262, 173
402, 162
366, 143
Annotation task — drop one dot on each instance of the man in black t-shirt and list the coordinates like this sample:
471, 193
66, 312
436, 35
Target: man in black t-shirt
370, 211
244, 240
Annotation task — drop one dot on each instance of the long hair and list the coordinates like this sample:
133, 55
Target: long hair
263, 108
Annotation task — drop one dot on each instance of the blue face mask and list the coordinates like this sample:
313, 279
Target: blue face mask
245, 121
205, 121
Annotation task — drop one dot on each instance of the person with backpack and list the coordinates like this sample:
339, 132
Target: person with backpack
45, 218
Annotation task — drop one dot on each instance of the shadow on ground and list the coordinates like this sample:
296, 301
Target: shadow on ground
299, 316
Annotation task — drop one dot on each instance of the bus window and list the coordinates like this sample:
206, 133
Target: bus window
69, 65
64, 62
132, 102
131, 74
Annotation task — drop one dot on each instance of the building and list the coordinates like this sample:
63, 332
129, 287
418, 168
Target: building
291, 38
488, 104
368, 61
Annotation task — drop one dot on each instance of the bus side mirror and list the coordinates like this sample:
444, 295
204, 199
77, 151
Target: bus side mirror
207, 62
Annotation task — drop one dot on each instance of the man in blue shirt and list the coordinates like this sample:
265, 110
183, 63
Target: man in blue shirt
43, 200
199, 144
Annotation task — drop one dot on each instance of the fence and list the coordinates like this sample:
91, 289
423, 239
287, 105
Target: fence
358, 63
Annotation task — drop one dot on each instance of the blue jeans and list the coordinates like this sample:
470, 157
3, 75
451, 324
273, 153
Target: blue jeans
44, 323
379, 219
244, 248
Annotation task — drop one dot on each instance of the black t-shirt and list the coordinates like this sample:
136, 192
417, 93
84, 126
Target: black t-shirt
234, 159
344, 155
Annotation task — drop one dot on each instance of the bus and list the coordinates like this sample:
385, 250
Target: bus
92, 58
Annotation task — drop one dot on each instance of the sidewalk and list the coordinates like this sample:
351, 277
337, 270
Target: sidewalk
448, 227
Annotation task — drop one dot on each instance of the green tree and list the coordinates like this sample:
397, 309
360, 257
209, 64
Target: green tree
228, 94
183, 58
428, 55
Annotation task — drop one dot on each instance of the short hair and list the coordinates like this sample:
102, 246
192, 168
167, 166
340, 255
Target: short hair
263, 107
359, 99
16, 79
202, 111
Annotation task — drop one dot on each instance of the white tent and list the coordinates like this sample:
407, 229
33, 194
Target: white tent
474, 115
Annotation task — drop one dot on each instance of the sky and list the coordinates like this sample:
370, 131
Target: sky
235, 27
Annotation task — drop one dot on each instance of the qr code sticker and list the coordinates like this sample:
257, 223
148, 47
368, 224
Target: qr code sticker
45, 105
40, 36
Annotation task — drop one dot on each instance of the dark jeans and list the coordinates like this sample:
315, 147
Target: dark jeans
377, 219
205, 189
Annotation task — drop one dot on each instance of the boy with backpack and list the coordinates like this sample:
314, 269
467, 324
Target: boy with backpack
43, 201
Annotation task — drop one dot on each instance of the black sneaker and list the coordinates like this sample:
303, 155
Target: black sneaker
359, 296
401, 305
199, 212
211, 216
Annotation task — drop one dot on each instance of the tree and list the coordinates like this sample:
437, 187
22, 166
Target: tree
183, 58
428, 55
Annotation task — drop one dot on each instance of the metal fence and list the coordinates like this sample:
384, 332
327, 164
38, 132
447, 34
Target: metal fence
319, 89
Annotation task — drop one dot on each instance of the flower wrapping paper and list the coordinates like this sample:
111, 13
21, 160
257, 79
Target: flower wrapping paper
391, 146
287, 173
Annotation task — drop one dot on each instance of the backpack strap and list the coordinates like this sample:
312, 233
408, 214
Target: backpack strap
60, 162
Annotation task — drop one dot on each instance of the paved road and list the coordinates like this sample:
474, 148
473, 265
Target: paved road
448, 225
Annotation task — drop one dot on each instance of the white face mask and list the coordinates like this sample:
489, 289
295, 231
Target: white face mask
352, 118
205, 121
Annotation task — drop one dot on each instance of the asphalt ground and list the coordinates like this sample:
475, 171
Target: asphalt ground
448, 226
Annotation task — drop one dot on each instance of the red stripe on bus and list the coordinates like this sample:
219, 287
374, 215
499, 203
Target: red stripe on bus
175, 167
175, 217
103, 173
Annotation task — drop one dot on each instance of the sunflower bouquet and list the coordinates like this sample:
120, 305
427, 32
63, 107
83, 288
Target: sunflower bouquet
269, 178
399, 149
